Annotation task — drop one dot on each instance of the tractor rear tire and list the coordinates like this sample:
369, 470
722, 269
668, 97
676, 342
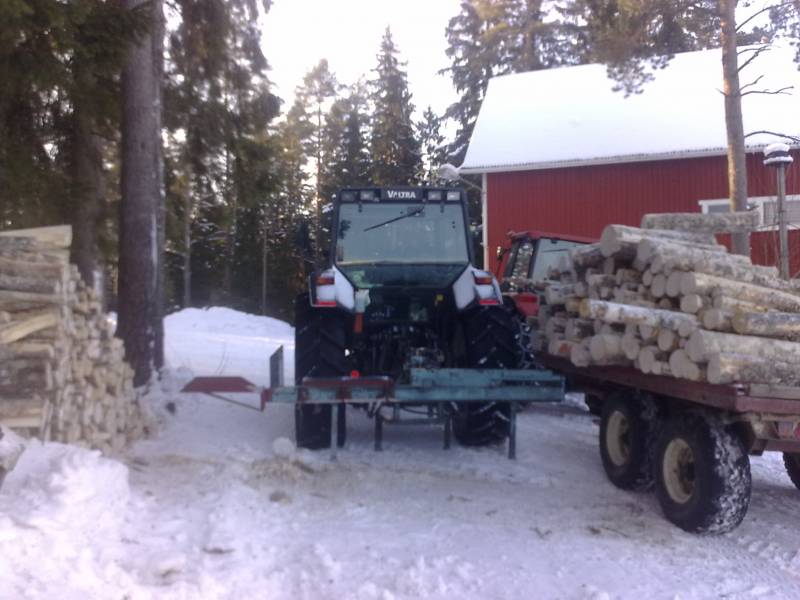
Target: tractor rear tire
320, 342
490, 334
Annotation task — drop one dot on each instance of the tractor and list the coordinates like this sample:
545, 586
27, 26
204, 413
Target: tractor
400, 292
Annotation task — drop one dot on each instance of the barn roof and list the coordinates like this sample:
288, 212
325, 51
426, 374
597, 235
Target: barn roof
571, 116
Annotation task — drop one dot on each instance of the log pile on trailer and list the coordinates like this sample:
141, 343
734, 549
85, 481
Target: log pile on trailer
63, 373
673, 302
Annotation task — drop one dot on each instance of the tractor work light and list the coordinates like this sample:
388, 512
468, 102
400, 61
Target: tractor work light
434, 196
367, 196
453, 196
348, 196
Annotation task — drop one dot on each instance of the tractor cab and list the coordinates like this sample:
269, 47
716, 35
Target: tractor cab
527, 259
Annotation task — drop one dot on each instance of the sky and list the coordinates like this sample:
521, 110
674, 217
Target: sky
298, 33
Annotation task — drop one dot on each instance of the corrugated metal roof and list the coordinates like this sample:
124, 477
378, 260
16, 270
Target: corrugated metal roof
571, 116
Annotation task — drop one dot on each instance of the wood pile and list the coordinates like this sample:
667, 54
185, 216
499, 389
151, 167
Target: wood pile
672, 302
63, 376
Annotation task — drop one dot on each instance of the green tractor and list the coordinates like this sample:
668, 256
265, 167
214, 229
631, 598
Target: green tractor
401, 292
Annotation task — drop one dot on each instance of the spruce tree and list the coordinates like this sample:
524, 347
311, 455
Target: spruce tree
432, 142
394, 149
489, 38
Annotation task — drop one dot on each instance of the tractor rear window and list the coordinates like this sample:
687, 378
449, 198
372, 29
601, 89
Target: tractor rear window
551, 251
401, 233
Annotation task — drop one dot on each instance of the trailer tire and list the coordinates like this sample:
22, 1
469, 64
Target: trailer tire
490, 337
320, 342
628, 428
702, 474
792, 463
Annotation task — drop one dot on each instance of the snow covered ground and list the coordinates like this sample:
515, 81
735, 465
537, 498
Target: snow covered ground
218, 505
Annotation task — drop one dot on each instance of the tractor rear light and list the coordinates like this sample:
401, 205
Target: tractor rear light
488, 302
325, 292
482, 278
355, 374
358, 324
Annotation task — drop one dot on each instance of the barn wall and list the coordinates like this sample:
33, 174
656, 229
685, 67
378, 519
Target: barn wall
583, 200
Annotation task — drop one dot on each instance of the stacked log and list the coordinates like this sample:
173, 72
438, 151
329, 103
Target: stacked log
673, 303
63, 376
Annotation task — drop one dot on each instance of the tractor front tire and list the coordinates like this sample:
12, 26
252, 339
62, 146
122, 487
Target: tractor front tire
320, 342
490, 337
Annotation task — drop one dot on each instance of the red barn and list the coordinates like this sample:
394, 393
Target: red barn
560, 151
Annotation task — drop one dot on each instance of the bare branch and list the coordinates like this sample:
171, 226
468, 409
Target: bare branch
758, 12
756, 53
775, 133
751, 84
782, 90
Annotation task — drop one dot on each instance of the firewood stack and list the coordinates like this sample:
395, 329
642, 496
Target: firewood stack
667, 299
63, 376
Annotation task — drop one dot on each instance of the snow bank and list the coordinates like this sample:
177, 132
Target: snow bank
223, 341
61, 513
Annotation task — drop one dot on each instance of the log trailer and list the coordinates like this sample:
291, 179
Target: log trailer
689, 441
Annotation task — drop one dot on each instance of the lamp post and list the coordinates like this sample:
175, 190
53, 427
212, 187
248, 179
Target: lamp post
450, 172
777, 156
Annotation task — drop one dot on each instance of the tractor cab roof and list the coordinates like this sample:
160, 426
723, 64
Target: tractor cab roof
364, 195
534, 234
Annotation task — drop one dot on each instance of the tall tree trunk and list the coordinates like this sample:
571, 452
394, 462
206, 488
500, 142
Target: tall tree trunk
87, 178
88, 190
737, 165
187, 248
141, 208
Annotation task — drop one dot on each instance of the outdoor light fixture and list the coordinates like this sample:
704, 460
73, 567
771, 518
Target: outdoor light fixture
777, 156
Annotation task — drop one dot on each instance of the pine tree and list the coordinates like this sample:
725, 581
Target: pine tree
318, 89
394, 150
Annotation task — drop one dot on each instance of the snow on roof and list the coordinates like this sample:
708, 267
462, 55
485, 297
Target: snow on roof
571, 116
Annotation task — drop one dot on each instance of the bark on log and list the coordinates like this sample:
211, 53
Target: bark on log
772, 324
610, 312
726, 368
703, 344
622, 241
700, 283
588, 256
730, 222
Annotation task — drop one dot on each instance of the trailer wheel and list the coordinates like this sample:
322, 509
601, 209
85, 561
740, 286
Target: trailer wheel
792, 463
628, 427
702, 475
320, 342
490, 336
